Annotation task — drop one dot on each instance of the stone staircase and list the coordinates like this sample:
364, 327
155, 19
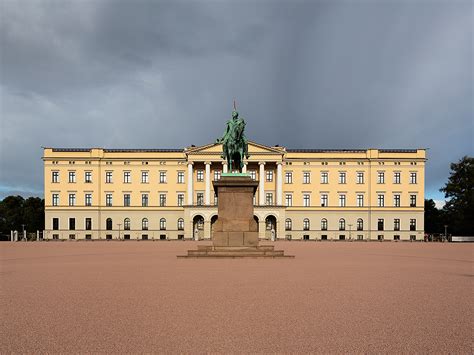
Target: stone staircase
256, 252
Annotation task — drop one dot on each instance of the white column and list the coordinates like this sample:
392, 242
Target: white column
190, 183
279, 184
261, 182
244, 168
207, 195
224, 169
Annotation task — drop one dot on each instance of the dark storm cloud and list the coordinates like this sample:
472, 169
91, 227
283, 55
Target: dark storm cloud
339, 74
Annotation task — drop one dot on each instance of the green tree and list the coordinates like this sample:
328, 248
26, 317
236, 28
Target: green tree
11, 214
16, 211
434, 218
459, 192
33, 214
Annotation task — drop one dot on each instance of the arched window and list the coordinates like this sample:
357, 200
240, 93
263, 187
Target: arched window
306, 224
360, 224
288, 224
324, 224
126, 224
180, 224
342, 224
145, 224
108, 224
162, 224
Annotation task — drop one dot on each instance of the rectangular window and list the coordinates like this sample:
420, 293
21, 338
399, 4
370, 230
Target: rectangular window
126, 200
360, 177
200, 175
342, 200
381, 177
88, 199
144, 200
380, 224
72, 199
360, 200
55, 176
412, 178
88, 176
55, 199
412, 200
253, 174
324, 200
217, 175
180, 177
180, 199
144, 177
108, 177
269, 175
396, 224
306, 200
306, 177
269, 198
55, 224
72, 176
396, 200
72, 224
163, 177
162, 200
288, 177
342, 177
413, 224
324, 177
88, 224
288, 200
127, 177
108, 200
200, 198
396, 177
380, 200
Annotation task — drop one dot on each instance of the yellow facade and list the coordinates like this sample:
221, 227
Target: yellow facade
167, 193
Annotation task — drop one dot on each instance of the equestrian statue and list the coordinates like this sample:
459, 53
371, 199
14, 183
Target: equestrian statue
234, 143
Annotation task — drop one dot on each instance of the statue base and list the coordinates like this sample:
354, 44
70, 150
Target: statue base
235, 233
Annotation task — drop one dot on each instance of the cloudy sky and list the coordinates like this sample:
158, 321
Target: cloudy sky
163, 74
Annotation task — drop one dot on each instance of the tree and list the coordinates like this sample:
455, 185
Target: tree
434, 218
16, 211
33, 214
459, 191
11, 214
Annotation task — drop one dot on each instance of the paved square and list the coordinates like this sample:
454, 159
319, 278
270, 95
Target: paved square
333, 297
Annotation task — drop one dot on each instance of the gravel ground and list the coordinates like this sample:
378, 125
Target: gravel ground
332, 298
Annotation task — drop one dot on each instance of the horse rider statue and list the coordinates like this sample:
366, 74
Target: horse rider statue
234, 143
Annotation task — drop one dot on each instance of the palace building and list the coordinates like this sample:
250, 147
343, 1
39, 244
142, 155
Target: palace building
303, 194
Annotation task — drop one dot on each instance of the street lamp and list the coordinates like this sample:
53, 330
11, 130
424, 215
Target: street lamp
119, 224
23, 226
446, 231
350, 230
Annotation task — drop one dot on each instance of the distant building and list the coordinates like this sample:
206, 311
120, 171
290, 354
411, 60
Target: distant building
314, 194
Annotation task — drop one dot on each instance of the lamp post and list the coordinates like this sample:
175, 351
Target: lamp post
350, 230
446, 231
119, 224
24, 236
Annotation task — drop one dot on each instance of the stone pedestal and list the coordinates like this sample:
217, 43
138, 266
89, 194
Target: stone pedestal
235, 225
235, 233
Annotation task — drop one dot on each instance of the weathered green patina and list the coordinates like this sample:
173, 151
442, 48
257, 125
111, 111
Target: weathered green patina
234, 143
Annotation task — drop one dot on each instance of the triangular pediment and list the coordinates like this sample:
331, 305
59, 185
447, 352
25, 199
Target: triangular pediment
216, 148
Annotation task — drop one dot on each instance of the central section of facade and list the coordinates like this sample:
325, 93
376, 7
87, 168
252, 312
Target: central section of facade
317, 194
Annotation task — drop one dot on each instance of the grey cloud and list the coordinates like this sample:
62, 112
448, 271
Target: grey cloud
163, 74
